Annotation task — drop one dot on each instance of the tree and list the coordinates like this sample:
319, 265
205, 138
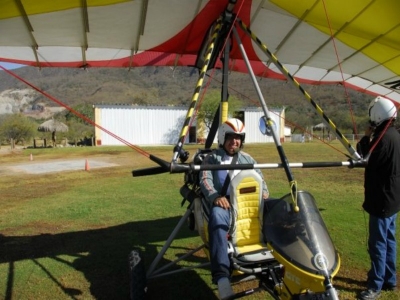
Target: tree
16, 128
210, 105
79, 132
84, 109
79, 129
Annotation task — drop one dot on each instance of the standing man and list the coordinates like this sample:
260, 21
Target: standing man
381, 195
231, 135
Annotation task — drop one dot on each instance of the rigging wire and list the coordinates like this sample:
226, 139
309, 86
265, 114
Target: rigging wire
211, 76
78, 114
349, 102
345, 88
389, 123
347, 96
286, 120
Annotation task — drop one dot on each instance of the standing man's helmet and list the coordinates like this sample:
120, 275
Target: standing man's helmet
231, 126
381, 109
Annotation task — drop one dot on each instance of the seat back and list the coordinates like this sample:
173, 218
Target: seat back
247, 208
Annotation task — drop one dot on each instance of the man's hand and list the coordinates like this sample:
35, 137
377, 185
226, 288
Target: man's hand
222, 202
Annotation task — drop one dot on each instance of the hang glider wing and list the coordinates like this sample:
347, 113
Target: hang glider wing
363, 54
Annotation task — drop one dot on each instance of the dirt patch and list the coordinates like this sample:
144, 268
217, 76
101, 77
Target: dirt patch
59, 166
16, 162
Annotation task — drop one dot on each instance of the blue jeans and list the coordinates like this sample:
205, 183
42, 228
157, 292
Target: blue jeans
218, 227
382, 252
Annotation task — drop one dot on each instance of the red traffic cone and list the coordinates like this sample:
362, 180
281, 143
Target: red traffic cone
87, 168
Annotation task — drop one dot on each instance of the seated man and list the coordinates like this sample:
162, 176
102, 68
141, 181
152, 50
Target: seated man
214, 186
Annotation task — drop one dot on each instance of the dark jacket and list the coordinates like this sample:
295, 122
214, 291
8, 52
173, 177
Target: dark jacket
382, 173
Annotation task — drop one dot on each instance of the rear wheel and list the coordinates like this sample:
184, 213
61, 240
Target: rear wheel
138, 284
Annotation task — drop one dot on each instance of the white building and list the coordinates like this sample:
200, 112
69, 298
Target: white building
161, 125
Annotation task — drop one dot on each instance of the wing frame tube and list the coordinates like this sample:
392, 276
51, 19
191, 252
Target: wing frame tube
290, 77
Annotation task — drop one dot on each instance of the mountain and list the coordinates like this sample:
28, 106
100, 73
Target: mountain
160, 86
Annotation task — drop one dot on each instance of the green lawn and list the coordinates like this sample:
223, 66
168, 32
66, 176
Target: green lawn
67, 235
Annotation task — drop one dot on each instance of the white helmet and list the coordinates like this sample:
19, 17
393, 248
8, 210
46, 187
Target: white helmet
381, 109
228, 127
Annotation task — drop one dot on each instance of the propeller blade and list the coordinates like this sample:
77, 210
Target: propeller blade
149, 171
163, 163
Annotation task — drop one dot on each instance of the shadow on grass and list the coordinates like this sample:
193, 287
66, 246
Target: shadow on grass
350, 284
102, 256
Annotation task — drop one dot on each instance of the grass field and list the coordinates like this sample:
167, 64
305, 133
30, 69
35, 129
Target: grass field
67, 235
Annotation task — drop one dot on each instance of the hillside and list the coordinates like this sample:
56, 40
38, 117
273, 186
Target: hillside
165, 86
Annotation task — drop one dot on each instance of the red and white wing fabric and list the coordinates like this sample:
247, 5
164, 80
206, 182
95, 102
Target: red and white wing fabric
356, 43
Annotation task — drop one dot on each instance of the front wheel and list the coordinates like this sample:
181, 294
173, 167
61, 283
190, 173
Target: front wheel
138, 284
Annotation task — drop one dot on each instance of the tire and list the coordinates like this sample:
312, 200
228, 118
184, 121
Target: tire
138, 283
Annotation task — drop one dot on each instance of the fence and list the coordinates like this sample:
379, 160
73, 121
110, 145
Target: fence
301, 138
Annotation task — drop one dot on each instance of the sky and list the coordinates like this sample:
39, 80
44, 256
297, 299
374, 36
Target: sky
10, 66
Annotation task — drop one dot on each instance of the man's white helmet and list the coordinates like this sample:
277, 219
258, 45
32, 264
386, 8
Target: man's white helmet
381, 109
230, 126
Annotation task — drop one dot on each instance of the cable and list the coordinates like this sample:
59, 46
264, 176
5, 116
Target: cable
83, 117
340, 68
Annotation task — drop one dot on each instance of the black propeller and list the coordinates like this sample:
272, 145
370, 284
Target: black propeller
163, 163
148, 171
164, 167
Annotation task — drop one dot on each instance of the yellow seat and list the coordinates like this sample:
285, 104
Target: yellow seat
246, 237
247, 209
